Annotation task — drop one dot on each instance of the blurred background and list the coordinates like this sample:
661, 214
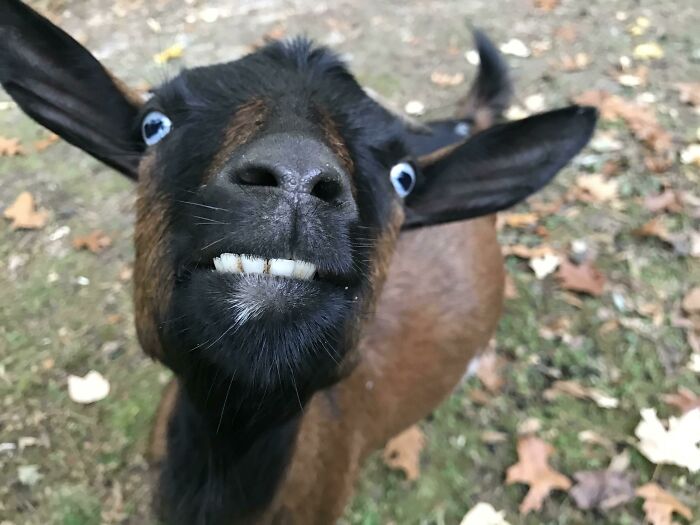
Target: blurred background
603, 309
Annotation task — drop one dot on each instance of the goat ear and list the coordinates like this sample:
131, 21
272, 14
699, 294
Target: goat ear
58, 83
497, 168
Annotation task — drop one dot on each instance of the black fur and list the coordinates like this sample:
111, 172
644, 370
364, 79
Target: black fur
206, 479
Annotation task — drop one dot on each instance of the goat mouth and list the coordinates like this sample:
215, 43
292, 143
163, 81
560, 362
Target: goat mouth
252, 265
243, 265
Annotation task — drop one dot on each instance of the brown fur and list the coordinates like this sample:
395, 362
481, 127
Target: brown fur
153, 280
433, 316
246, 122
335, 141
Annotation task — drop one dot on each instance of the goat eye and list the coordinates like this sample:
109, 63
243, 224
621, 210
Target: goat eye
154, 127
403, 177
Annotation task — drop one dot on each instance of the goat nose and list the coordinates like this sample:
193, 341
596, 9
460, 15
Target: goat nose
323, 182
294, 163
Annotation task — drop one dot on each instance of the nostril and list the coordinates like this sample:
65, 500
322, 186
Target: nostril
256, 176
327, 190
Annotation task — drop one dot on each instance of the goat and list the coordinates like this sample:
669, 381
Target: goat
304, 262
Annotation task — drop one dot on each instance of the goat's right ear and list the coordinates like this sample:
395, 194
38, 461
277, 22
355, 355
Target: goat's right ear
58, 83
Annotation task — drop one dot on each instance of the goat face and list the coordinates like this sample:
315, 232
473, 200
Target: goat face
261, 216
270, 194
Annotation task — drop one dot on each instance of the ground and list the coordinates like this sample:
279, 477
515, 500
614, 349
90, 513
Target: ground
66, 311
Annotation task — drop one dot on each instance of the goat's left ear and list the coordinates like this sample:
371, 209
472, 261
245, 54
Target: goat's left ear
58, 83
498, 167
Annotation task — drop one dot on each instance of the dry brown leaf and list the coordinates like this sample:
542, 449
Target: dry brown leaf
598, 187
691, 301
403, 452
577, 62
546, 5
446, 79
666, 201
567, 33
532, 469
41, 145
660, 505
641, 120
526, 252
518, 220
579, 391
24, 215
490, 371
689, 93
584, 278
10, 147
95, 241
654, 228
602, 489
685, 400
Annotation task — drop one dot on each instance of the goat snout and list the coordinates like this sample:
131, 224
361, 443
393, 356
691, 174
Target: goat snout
291, 163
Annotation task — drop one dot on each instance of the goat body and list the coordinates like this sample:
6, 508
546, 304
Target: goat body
317, 272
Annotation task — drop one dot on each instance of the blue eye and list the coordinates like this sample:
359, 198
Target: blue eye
403, 177
154, 127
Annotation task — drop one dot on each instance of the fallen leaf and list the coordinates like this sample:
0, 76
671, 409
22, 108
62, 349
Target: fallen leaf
584, 278
689, 92
601, 489
415, 107
691, 301
95, 241
545, 265
516, 48
24, 215
654, 228
648, 51
518, 220
567, 33
41, 145
660, 505
532, 469
676, 446
665, 201
526, 252
685, 400
640, 26
168, 54
598, 187
640, 119
530, 426
491, 437
691, 154
484, 514
446, 79
403, 452
10, 147
89, 389
490, 371
577, 62
546, 5
29, 475
579, 391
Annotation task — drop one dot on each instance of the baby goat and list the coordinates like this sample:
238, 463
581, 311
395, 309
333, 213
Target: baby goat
303, 260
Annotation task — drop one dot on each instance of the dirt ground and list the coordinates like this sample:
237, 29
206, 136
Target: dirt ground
64, 311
